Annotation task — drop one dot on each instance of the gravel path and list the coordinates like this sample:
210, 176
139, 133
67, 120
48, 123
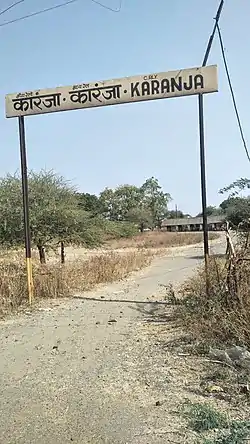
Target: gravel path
77, 371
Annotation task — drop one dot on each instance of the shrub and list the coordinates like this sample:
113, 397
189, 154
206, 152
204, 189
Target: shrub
223, 314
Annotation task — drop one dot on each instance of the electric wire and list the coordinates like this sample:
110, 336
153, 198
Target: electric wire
41, 11
108, 7
11, 6
232, 93
51, 8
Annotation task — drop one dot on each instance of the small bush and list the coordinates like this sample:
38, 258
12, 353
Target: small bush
203, 417
222, 315
237, 433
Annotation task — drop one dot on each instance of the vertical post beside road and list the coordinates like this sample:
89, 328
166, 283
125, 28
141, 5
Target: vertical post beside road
202, 147
25, 193
203, 179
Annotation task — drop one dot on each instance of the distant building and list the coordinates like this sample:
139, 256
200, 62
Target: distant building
215, 223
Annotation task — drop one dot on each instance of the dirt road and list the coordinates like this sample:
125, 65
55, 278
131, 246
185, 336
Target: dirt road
77, 372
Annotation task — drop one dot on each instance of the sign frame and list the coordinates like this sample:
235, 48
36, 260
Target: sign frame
167, 85
163, 85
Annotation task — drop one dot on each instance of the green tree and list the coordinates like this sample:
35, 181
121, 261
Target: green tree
173, 214
236, 187
107, 201
230, 201
118, 202
54, 212
212, 211
239, 212
90, 203
237, 208
155, 200
147, 204
140, 216
126, 198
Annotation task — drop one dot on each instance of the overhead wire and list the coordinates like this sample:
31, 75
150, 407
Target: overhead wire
232, 93
41, 11
11, 6
51, 8
108, 7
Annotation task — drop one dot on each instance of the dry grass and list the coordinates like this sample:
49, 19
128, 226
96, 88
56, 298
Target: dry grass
222, 316
56, 281
159, 239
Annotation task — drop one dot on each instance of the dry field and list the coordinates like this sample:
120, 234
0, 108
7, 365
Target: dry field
57, 281
83, 269
159, 239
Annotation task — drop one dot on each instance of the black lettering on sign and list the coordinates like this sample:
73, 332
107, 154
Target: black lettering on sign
152, 86
145, 88
111, 92
51, 100
48, 100
198, 81
165, 86
150, 77
81, 86
96, 94
134, 89
155, 86
80, 96
188, 85
22, 104
26, 94
176, 84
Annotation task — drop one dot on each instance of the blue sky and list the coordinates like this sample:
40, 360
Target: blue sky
109, 146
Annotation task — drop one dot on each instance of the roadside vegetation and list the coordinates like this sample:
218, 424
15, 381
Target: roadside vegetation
213, 427
215, 308
60, 281
63, 219
221, 315
60, 215
159, 239
212, 311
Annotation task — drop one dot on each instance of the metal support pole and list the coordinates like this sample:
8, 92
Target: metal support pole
25, 192
203, 179
202, 145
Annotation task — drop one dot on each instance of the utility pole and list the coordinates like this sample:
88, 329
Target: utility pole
202, 143
25, 193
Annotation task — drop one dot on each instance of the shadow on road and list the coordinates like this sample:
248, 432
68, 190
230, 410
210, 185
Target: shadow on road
200, 257
156, 313
152, 311
127, 301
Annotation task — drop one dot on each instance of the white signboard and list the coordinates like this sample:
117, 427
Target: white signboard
162, 85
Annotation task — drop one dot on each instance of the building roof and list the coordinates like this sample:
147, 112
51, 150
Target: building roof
192, 221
